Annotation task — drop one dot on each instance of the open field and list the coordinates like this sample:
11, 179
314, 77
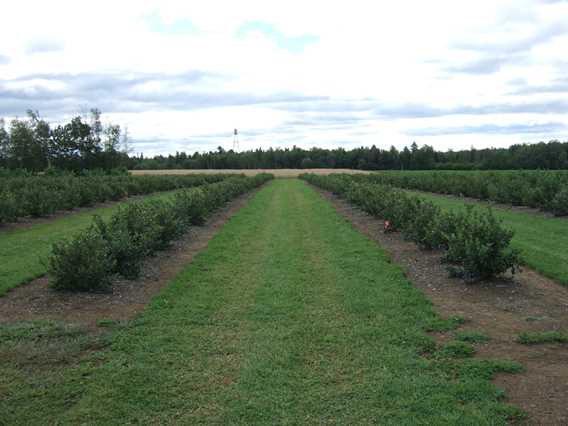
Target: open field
290, 316
281, 173
298, 310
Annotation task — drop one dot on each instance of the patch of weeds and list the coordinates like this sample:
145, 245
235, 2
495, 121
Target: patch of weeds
535, 338
456, 349
426, 345
471, 336
440, 324
44, 344
512, 413
485, 368
36, 330
107, 323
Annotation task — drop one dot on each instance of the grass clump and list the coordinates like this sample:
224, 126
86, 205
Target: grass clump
486, 368
535, 338
456, 349
440, 325
471, 336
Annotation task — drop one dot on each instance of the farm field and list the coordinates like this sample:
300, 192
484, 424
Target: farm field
289, 316
281, 173
23, 250
543, 241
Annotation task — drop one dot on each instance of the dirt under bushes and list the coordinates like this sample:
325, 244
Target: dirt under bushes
36, 300
501, 309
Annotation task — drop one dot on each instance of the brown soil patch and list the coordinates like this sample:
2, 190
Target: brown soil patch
501, 309
36, 300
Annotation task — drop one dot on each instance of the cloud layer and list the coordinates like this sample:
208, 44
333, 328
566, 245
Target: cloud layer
182, 75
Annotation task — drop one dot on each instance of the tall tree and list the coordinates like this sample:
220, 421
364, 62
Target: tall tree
24, 151
4, 144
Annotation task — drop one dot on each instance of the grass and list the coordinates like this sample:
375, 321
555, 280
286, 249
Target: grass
472, 336
541, 240
535, 338
290, 316
22, 251
456, 349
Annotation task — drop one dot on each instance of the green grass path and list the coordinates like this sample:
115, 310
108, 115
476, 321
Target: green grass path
290, 317
22, 250
543, 241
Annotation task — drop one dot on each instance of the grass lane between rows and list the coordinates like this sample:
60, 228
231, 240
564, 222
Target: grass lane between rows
290, 316
542, 240
23, 251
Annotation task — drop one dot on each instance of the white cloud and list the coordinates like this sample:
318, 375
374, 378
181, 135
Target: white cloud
323, 73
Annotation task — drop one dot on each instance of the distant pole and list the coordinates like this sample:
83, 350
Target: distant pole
236, 141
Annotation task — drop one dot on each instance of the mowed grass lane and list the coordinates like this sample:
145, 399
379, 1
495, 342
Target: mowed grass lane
23, 251
543, 241
290, 316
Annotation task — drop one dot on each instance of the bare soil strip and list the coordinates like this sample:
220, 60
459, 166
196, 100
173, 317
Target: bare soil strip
35, 300
501, 309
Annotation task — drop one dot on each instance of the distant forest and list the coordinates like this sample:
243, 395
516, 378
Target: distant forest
85, 143
552, 155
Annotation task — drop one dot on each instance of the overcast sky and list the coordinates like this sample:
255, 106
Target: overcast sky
181, 75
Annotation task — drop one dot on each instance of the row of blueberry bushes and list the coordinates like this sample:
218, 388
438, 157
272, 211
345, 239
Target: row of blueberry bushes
476, 246
38, 196
543, 189
118, 246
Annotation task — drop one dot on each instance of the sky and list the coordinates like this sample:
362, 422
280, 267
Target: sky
181, 75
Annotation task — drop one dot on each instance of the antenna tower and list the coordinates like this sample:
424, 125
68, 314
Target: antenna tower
236, 141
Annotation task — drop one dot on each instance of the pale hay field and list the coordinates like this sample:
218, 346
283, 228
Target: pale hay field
282, 173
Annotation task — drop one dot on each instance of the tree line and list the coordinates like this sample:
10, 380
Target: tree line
86, 143
552, 155
82, 143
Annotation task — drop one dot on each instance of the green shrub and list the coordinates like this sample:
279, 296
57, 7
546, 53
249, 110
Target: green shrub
8, 207
479, 247
82, 263
132, 234
424, 228
122, 247
38, 201
191, 205
168, 224
559, 204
